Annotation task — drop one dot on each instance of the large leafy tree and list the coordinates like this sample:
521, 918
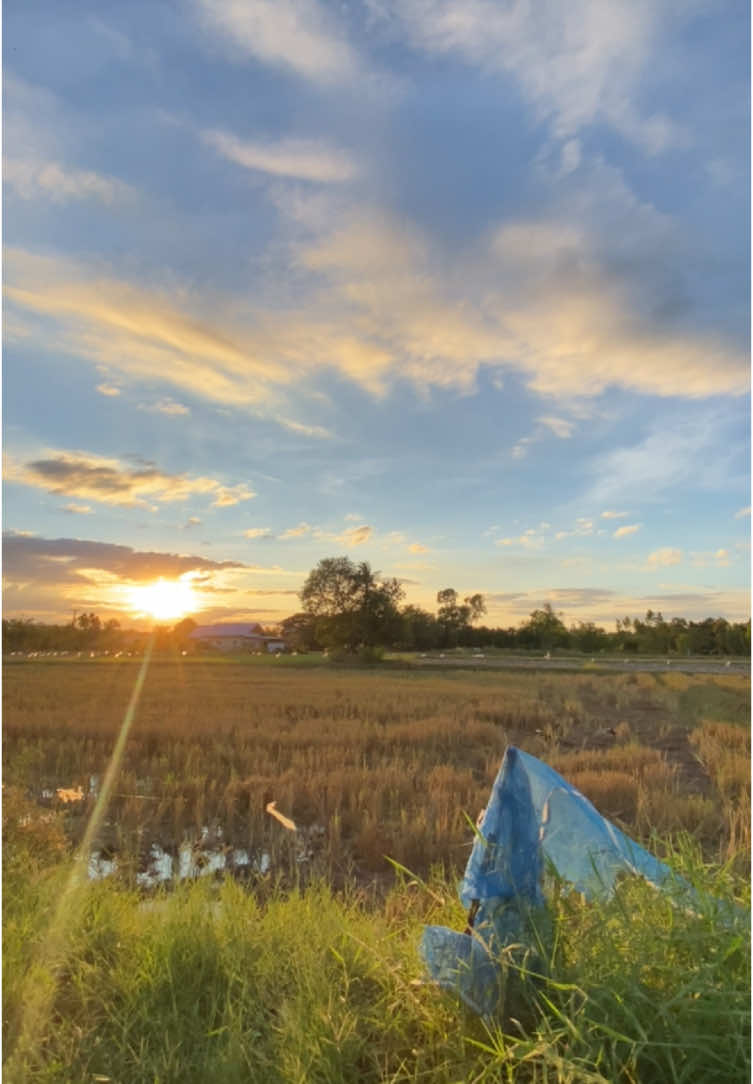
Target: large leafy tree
419, 629
182, 631
351, 606
545, 628
299, 632
586, 636
454, 616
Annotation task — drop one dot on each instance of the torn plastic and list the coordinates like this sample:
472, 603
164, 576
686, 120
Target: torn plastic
534, 818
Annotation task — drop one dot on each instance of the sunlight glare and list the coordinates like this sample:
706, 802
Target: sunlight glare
164, 599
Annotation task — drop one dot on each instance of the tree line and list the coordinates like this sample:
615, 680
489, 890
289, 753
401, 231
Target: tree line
348, 607
87, 632
84, 632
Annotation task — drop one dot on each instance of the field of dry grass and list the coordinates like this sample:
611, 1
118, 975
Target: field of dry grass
369, 762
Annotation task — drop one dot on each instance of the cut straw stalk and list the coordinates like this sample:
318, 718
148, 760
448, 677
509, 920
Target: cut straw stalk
284, 821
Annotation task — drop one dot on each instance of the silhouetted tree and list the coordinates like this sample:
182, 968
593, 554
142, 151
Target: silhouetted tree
453, 616
546, 628
351, 606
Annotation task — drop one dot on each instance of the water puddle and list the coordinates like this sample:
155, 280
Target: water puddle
100, 867
191, 861
204, 854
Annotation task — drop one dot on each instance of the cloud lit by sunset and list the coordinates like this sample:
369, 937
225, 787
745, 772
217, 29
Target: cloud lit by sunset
437, 285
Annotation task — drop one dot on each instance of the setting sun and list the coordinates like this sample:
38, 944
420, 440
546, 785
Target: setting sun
164, 599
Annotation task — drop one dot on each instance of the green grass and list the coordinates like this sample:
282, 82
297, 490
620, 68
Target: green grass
214, 983
714, 702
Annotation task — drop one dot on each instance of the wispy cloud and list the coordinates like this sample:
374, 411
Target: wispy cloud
538, 294
33, 179
379, 305
355, 536
109, 481
577, 327
257, 532
613, 515
583, 527
78, 509
664, 557
418, 547
529, 540
108, 389
577, 64
273, 591
166, 406
545, 427
227, 496
138, 332
603, 604
296, 532
686, 453
561, 427
272, 570
300, 35
70, 559
305, 159
577, 597
743, 513
318, 432
720, 558
623, 532
15, 330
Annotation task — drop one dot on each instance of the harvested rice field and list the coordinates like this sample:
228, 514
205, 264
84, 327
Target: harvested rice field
370, 765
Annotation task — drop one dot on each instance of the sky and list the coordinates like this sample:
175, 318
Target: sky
456, 287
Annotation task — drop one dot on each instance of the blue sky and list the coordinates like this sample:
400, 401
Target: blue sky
457, 287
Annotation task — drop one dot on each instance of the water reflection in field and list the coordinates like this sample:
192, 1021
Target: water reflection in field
192, 860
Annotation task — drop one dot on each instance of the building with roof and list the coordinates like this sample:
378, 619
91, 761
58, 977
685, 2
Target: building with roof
232, 636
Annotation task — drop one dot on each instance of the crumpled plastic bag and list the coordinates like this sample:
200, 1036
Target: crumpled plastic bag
534, 818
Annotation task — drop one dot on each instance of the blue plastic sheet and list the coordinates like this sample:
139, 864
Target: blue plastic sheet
534, 818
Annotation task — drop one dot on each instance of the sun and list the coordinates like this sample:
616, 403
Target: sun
164, 600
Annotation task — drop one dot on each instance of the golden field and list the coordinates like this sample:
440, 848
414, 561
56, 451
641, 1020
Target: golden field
368, 762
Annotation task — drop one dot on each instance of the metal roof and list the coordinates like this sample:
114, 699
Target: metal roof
201, 632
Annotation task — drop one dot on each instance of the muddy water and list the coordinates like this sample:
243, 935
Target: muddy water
191, 861
203, 854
